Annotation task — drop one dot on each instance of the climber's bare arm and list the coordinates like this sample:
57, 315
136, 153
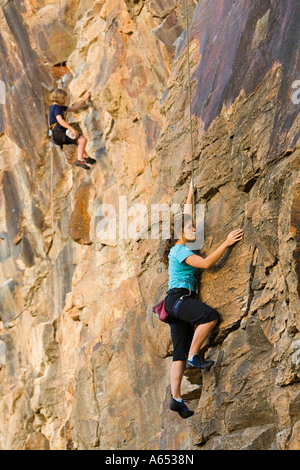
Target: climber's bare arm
188, 205
206, 263
71, 109
63, 123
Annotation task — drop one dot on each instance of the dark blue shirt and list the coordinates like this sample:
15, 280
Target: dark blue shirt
54, 111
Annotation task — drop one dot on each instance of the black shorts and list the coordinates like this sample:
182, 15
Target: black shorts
60, 137
191, 312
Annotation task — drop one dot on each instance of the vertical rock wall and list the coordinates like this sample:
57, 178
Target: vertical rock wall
81, 364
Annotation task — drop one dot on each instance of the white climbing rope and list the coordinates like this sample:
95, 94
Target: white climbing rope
190, 104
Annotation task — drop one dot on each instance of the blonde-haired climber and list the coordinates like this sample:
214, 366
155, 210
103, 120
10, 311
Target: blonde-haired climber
62, 132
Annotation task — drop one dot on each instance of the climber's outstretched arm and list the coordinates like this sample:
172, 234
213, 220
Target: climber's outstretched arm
71, 109
205, 263
188, 208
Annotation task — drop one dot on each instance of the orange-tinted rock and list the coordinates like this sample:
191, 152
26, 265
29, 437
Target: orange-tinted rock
79, 226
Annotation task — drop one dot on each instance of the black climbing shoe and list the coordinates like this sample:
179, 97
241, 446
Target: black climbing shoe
180, 408
199, 363
90, 161
82, 164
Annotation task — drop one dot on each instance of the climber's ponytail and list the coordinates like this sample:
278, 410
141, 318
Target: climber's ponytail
168, 245
176, 233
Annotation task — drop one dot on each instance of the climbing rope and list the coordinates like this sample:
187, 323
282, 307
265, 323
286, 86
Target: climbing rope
51, 191
62, 401
52, 265
60, 43
190, 104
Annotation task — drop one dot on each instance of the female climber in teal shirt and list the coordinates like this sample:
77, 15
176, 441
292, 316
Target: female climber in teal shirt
182, 305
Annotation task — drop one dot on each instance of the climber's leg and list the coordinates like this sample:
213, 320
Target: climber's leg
205, 318
177, 404
82, 141
201, 334
196, 361
182, 335
177, 369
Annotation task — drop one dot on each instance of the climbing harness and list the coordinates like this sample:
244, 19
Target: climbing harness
177, 304
190, 104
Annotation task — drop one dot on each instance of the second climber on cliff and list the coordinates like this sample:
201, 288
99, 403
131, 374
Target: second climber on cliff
62, 132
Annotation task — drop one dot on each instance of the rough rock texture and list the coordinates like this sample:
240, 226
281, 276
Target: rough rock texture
81, 365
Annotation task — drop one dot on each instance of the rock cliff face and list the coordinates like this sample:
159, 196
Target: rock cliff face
81, 364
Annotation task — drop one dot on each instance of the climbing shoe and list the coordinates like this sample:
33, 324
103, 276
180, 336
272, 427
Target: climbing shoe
199, 362
90, 161
180, 408
82, 164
